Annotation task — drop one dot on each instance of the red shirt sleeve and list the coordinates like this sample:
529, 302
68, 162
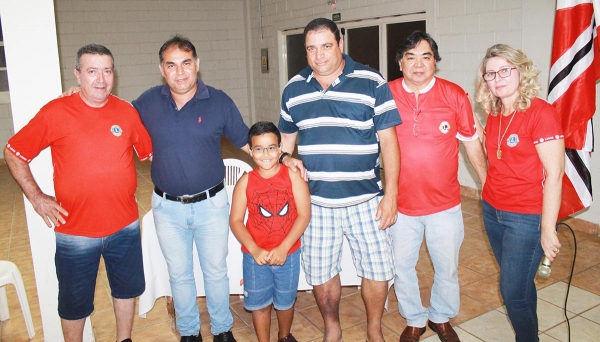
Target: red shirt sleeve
464, 120
32, 138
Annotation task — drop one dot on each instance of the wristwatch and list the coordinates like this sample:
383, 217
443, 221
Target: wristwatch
283, 155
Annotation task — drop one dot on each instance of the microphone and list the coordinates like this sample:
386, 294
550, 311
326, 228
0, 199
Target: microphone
544, 270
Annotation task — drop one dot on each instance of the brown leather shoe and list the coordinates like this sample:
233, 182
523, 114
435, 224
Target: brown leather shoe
445, 331
412, 334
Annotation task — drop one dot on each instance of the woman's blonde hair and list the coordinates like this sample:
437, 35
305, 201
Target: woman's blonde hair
528, 88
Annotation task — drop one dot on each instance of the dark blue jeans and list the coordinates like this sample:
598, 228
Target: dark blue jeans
515, 241
77, 259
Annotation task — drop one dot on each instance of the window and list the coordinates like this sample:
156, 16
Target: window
370, 42
3, 74
4, 98
396, 34
296, 54
362, 44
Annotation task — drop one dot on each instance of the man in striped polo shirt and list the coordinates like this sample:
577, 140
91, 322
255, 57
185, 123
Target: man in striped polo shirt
343, 115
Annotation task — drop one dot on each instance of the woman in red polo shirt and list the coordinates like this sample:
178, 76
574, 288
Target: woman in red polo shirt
521, 197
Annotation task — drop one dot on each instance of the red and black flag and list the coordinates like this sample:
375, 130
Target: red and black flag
572, 91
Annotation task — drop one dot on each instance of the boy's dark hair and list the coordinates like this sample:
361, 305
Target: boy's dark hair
182, 43
322, 24
92, 49
263, 127
413, 40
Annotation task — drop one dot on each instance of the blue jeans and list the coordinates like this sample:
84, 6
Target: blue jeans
515, 241
444, 233
268, 284
206, 224
77, 259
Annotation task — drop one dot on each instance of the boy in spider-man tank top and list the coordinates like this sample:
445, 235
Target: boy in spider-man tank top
278, 203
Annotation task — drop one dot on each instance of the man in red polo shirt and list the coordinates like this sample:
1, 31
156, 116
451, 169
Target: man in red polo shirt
437, 115
92, 135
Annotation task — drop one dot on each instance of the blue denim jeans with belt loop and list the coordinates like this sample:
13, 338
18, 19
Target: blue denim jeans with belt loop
206, 224
444, 233
515, 241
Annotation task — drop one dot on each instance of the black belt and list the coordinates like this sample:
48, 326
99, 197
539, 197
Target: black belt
193, 198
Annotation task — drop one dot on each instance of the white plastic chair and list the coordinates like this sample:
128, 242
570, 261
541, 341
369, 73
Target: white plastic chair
234, 169
9, 274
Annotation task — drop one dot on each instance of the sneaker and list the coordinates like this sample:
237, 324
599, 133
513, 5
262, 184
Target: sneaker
224, 337
191, 338
288, 338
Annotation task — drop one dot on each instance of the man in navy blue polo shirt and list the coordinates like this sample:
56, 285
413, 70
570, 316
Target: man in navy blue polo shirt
343, 115
185, 119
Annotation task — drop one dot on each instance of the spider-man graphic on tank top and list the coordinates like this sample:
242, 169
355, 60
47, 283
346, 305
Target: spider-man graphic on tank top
271, 209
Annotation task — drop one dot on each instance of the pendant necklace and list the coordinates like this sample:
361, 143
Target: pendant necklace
500, 139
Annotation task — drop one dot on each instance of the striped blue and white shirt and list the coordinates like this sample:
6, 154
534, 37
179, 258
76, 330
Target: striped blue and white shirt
337, 131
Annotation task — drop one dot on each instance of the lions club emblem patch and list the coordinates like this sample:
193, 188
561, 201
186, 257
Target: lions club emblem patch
512, 140
116, 130
444, 127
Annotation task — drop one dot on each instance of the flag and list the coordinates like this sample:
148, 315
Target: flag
572, 91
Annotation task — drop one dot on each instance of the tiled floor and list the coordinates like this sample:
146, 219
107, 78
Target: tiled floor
481, 318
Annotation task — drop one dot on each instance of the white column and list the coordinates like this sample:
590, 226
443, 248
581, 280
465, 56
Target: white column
31, 49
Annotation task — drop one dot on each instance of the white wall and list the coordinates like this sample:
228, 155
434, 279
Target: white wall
466, 28
134, 30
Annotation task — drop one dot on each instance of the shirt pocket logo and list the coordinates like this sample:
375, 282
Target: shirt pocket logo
444, 127
512, 140
116, 130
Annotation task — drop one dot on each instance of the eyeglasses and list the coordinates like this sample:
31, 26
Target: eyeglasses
503, 73
416, 113
268, 149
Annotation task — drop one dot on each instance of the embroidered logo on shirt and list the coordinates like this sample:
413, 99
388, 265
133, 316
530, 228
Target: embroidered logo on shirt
116, 130
199, 119
512, 140
444, 127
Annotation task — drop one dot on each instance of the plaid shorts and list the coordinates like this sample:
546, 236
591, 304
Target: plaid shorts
322, 243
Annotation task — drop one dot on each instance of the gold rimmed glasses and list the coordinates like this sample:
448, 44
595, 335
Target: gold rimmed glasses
269, 149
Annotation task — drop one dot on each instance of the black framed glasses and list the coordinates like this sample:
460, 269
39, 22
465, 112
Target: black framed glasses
503, 73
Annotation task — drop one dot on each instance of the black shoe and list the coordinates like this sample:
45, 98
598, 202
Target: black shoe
288, 338
127, 340
224, 337
191, 338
